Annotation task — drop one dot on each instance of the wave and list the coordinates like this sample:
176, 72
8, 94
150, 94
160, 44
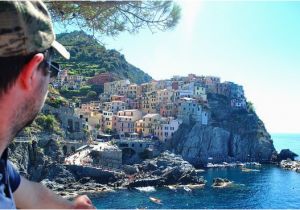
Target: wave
146, 189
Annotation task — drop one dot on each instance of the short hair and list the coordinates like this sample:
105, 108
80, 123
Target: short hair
11, 67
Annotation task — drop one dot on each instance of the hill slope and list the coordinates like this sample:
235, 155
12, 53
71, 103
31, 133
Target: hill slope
89, 58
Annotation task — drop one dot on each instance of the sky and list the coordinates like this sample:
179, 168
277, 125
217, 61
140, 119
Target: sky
253, 43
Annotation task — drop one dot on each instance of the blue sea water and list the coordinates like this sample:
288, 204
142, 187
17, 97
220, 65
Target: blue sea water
269, 187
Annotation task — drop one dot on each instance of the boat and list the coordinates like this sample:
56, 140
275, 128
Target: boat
195, 186
240, 164
172, 187
186, 188
246, 169
256, 164
155, 200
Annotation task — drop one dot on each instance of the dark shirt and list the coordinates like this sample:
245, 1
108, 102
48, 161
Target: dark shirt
9, 182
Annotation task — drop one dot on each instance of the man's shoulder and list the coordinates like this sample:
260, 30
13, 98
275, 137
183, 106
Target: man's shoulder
14, 176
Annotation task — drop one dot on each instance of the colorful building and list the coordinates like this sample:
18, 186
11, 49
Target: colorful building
165, 128
149, 121
125, 120
106, 121
149, 102
189, 109
134, 91
119, 87
114, 106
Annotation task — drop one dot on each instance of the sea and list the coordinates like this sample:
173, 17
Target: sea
266, 187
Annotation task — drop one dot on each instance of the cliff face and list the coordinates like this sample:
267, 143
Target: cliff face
232, 135
38, 161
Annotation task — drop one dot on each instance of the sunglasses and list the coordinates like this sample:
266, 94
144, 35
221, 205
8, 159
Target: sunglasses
54, 69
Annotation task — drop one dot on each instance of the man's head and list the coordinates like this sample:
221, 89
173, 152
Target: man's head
27, 41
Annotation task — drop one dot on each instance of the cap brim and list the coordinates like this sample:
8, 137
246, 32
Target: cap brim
61, 49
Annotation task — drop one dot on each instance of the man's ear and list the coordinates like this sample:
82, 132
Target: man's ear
29, 71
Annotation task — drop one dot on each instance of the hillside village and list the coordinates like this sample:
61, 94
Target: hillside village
154, 109
138, 117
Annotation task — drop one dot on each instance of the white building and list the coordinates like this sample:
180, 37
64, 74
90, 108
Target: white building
189, 109
166, 127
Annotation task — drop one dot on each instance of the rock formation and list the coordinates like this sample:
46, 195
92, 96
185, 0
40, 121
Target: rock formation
232, 135
286, 154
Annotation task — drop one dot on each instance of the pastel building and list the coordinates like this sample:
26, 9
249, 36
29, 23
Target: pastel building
164, 84
134, 103
118, 98
167, 109
149, 102
106, 121
165, 128
149, 87
189, 109
125, 120
119, 87
134, 91
138, 126
165, 96
211, 83
148, 123
114, 106
200, 92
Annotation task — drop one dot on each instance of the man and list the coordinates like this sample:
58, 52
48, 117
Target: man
27, 41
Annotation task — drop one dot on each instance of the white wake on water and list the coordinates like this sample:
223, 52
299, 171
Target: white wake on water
146, 189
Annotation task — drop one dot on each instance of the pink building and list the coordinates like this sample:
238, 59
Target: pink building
125, 120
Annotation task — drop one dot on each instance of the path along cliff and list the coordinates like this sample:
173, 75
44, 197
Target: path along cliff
231, 135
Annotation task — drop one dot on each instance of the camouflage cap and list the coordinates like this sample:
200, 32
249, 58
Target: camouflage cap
25, 28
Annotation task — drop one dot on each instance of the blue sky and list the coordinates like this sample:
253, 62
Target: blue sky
254, 43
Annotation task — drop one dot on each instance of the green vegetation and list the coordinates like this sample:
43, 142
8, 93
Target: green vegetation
89, 58
48, 123
56, 102
92, 95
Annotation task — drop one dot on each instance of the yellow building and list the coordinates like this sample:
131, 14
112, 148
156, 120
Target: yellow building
149, 87
149, 121
149, 102
165, 96
119, 87
106, 121
138, 126
134, 91
125, 120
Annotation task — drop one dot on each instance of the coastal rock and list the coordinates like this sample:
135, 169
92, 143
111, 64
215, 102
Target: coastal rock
128, 169
166, 169
232, 135
290, 165
220, 183
286, 154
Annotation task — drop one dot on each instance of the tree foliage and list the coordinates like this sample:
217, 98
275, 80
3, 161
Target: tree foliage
113, 17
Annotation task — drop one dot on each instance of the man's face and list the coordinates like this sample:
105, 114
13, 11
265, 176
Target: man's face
28, 110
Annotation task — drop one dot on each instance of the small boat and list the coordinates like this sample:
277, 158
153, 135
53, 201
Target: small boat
186, 188
172, 187
240, 164
155, 200
246, 169
256, 164
195, 186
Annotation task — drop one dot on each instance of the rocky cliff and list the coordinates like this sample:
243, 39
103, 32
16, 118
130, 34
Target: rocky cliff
232, 135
